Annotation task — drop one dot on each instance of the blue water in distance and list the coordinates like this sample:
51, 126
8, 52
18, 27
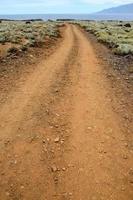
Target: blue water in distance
125, 17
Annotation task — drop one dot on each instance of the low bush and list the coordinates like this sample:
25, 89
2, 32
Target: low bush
123, 49
12, 50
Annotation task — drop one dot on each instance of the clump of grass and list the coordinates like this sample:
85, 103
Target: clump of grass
123, 49
3, 38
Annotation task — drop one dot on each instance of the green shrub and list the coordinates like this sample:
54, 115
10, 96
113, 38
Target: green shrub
2, 38
124, 49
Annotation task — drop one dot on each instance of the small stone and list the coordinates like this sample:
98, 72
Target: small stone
54, 168
7, 142
89, 128
15, 162
131, 171
64, 169
125, 157
56, 180
100, 151
7, 194
57, 139
43, 141
123, 188
70, 165
45, 149
56, 90
22, 187
131, 181
126, 145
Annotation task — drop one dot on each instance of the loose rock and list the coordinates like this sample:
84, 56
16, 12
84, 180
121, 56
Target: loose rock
54, 168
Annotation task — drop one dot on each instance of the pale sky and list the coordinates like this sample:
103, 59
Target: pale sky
56, 6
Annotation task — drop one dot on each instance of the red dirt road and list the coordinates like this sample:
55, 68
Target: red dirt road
60, 138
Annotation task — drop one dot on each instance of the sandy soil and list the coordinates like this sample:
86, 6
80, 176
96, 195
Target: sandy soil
60, 138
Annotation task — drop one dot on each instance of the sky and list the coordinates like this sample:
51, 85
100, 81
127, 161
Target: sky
56, 6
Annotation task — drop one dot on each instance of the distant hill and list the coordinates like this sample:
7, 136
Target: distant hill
124, 9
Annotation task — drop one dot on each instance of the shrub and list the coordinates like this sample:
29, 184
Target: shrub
124, 49
12, 50
24, 48
128, 25
28, 22
29, 36
2, 38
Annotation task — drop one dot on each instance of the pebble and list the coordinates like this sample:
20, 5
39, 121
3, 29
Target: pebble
62, 142
123, 188
70, 165
56, 180
15, 162
43, 141
56, 90
125, 157
89, 128
126, 145
7, 142
52, 151
57, 139
7, 194
22, 187
131, 181
131, 171
54, 168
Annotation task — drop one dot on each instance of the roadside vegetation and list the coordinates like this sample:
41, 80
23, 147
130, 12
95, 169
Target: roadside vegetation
117, 35
19, 35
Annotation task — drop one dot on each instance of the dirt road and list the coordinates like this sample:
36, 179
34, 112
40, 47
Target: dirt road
60, 138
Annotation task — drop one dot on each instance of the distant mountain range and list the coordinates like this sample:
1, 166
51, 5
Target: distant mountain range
124, 9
